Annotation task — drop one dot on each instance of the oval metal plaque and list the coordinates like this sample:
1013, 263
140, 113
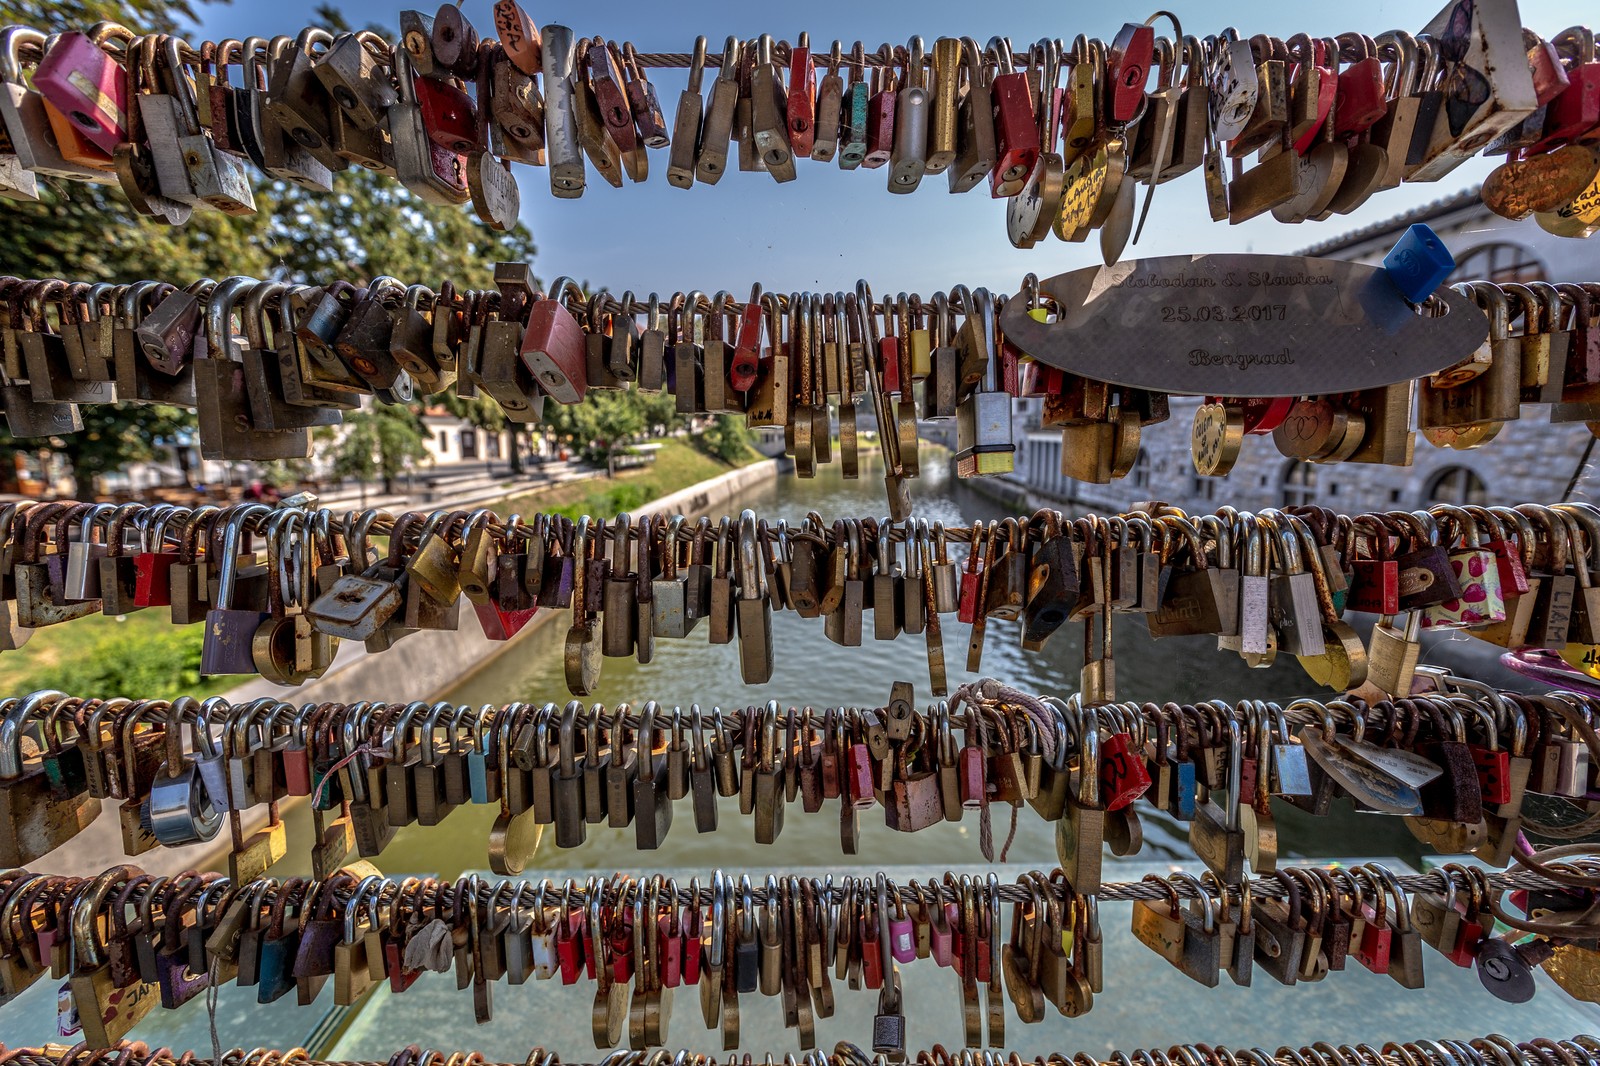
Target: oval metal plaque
1243, 325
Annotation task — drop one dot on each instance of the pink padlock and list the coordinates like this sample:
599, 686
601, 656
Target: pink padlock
902, 931
941, 938
859, 776
87, 86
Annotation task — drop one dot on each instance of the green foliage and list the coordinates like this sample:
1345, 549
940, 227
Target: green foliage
143, 16
115, 436
479, 411
369, 225
602, 425
727, 438
659, 409
381, 441
131, 663
373, 225
616, 499
284, 473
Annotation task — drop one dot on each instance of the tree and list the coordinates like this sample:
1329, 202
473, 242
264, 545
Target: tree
368, 225
659, 409
143, 16
727, 438
115, 436
603, 424
382, 441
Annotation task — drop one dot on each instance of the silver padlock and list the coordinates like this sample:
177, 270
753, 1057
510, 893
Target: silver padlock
984, 444
218, 179
181, 808
559, 53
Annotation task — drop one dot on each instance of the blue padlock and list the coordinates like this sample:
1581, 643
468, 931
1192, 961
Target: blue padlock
1419, 263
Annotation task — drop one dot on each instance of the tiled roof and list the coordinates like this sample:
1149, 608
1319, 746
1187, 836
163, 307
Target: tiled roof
1442, 206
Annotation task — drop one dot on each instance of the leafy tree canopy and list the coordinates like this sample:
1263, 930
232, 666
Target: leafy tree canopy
367, 226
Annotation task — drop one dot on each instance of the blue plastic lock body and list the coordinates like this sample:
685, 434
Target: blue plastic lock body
1419, 263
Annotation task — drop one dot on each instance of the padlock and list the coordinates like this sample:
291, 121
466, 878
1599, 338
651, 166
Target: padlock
553, 346
984, 446
1016, 130
87, 86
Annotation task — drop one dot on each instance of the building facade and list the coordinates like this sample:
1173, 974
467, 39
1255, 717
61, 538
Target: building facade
1531, 459
455, 440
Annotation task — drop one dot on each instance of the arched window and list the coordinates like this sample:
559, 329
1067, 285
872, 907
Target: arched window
1499, 261
1139, 476
1458, 485
1298, 484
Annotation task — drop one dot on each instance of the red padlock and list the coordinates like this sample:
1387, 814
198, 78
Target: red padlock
1306, 51
499, 624
1494, 772
692, 927
1376, 940
595, 946
1576, 111
669, 949
153, 586
1127, 68
1123, 777
1508, 557
889, 354
941, 938
1263, 414
880, 111
447, 114
400, 978
1374, 581
744, 369
973, 769
802, 104
871, 950
1544, 64
296, 759
570, 954
972, 578
1471, 934
553, 346
1039, 379
1360, 100
605, 78
1016, 133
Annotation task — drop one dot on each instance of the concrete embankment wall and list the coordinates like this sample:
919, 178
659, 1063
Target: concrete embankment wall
425, 665
436, 660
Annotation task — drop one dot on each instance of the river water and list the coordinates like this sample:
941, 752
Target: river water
811, 670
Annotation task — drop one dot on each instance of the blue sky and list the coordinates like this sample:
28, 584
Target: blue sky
830, 227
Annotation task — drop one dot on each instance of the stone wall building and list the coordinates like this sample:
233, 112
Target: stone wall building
1531, 459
